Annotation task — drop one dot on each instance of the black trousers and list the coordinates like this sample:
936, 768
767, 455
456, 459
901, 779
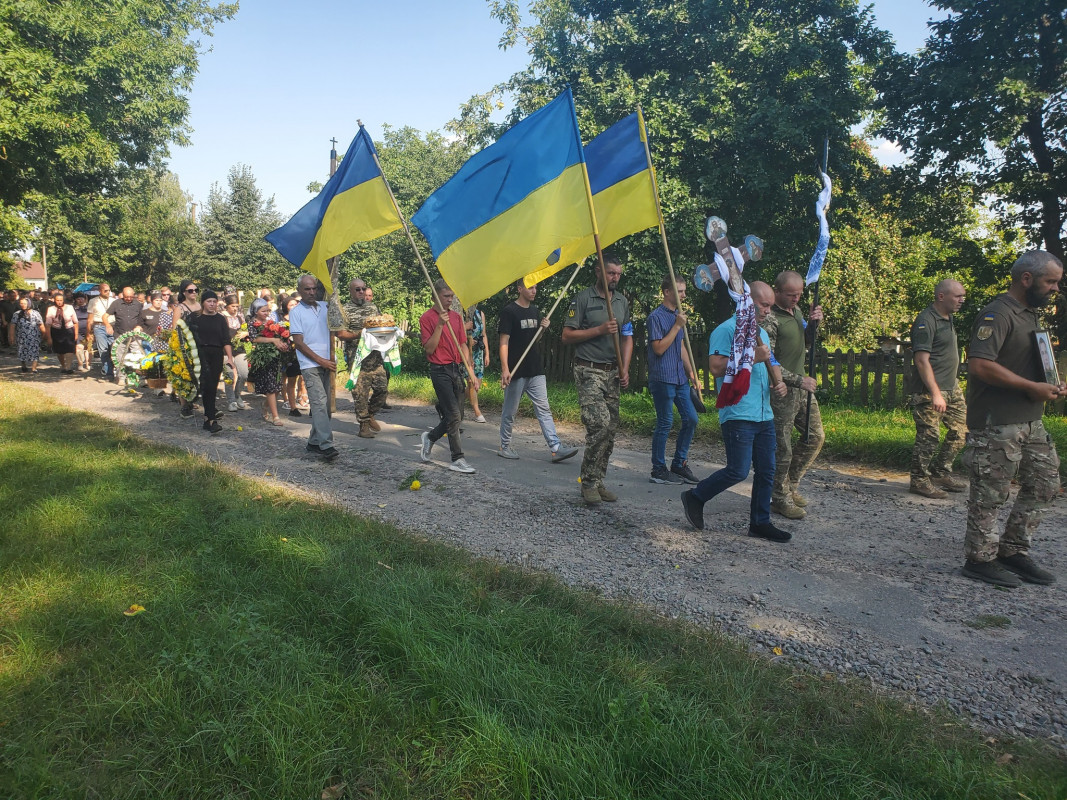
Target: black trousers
210, 372
448, 384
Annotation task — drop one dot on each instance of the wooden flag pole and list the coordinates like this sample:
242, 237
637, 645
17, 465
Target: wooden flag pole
552, 311
422, 264
663, 237
331, 395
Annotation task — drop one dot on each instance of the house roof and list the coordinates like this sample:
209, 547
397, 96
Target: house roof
30, 270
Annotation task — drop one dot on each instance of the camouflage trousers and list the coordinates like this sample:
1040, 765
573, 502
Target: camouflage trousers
996, 456
371, 391
598, 396
792, 459
930, 457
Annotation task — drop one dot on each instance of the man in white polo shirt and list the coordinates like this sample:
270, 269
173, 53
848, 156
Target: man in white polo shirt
311, 338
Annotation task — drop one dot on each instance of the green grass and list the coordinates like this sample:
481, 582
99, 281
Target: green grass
287, 647
875, 437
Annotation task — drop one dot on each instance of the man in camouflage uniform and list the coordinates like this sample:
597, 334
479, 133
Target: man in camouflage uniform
598, 376
372, 385
936, 398
1006, 396
789, 337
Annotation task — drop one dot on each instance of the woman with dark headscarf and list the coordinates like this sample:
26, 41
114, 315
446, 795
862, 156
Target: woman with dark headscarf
27, 330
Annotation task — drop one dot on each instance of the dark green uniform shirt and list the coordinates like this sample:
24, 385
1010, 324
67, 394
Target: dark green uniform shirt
931, 333
1004, 333
588, 310
785, 330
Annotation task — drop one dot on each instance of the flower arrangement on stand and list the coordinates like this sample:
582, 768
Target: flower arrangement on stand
183, 362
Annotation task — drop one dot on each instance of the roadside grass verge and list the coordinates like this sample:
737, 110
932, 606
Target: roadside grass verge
874, 437
287, 647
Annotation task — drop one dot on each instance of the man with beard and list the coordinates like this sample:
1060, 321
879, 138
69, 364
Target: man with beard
1006, 396
372, 385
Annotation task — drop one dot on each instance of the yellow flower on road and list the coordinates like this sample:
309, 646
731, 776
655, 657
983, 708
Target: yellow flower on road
415, 486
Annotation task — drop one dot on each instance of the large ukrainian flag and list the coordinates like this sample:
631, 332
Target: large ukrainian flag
353, 206
620, 179
511, 205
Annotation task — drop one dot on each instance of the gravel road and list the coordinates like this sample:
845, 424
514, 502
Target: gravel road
869, 587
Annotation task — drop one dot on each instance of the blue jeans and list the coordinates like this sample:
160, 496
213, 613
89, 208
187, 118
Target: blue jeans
748, 444
536, 388
103, 341
666, 396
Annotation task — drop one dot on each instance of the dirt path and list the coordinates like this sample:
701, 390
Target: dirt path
869, 586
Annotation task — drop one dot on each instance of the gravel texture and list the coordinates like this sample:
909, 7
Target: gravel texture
869, 587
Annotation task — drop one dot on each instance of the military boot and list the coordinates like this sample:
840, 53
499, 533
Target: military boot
927, 489
949, 482
374, 424
589, 494
365, 430
785, 507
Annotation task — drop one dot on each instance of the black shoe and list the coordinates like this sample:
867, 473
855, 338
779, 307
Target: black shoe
694, 509
1024, 566
685, 473
212, 426
991, 572
329, 453
313, 448
662, 476
186, 412
295, 413
768, 531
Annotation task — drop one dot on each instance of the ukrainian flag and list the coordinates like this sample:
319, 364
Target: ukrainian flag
620, 178
512, 205
353, 206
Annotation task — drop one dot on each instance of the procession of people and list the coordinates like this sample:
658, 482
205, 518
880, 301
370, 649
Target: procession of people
997, 425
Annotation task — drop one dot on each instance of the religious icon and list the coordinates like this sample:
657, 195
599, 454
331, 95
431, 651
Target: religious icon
1048, 359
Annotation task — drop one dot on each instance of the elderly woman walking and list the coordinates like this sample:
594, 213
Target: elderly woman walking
61, 331
27, 330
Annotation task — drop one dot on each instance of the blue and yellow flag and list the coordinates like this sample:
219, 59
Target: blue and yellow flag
511, 205
353, 206
620, 178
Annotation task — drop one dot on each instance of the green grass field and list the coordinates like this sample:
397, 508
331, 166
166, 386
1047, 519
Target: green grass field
287, 647
866, 436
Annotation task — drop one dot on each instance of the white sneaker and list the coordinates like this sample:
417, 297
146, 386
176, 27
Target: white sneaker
232, 406
480, 418
461, 465
507, 452
241, 404
427, 446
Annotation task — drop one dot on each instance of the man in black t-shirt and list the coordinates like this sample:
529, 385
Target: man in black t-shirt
519, 323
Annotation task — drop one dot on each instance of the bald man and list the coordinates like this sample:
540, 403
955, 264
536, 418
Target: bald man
936, 398
747, 428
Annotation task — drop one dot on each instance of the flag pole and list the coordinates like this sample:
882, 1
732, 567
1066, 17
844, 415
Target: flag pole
815, 304
331, 396
663, 237
552, 311
422, 264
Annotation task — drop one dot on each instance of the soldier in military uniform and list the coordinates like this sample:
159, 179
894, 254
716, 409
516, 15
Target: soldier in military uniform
598, 376
1006, 396
372, 385
789, 337
936, 398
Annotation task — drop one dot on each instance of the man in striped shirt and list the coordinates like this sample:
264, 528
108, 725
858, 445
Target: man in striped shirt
669, 374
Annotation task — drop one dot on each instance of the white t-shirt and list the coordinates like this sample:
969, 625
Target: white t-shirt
312, 323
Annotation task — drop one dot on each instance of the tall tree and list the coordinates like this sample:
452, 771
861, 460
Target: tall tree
89, 89
986, 97
235, 221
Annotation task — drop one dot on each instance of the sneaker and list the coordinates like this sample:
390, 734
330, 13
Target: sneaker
480, 418
507, 452
427, 446
694, 509
685, 473
606, 495
563, 453
295, 413
1024, 566
590, 495
949, 482
461, 465
991, 572
768, 531
231, 407
927, 489
186, 412
212, 426
787, 509
286, 405
242, 405
663, 476
329, 453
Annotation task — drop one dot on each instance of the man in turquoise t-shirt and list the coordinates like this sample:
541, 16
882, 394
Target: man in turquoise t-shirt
747, 429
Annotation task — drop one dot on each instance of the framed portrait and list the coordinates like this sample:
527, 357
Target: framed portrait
1048, 358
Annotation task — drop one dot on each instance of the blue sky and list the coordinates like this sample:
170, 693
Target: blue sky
283, 77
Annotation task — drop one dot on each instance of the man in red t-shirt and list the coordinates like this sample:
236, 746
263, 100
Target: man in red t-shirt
446, 373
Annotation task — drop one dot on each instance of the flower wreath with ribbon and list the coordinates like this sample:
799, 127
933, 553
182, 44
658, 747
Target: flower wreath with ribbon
128, 352
183, 362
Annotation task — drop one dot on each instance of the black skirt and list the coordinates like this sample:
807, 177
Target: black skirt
62, 340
